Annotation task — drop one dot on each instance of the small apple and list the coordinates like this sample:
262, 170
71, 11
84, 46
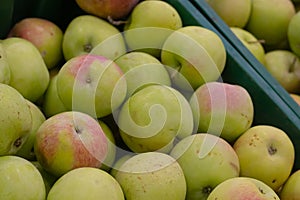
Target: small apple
89, 34
152, 175
206, 160
44, 34
266, 153
290, 188
284, 66
241, 188
293, 34
20, 179
86, 183
4, 67
70, 140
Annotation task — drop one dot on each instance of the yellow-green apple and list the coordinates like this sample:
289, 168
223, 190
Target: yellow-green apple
153, 20
290, 189
15, 120
251, 43
233, 12
20, 179
4, 67
206, 160
222, 109
284, 66
90, 34
152, 175
26, 151
70, 140
263, 12
241, 188
140, 69
293, 33
296, 98
86, 183
29, 73
153, 117
196, 55
44, 34
92, 84
266, 153
119, 162
114, 9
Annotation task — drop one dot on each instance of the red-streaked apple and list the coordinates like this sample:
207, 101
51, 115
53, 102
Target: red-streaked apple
293, 33
290, 189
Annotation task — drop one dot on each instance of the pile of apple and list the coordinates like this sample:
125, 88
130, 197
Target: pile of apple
270, 30
127, 103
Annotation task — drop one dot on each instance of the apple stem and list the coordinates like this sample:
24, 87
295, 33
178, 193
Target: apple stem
115, 22
292, 66
257, 41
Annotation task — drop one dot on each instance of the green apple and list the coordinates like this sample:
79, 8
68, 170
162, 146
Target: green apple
206, 160
152, 175
233, 12
284, 66
153, 117
196, 55
140, 69
222, 109
293, 33
29, 73
251, 43
290, 188
239, 188
15, 120
20, 179
89, 34
91, 84
86, 183
266, 153
269, 21
4, 67
70, 140
44, 34
149, 24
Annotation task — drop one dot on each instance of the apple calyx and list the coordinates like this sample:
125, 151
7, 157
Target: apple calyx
18, 142
87, 48
272, 150
116, 22
207, 190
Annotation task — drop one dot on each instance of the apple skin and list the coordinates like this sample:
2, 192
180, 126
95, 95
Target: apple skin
70, 140
293, 34
91, 84
222, 109
233, 16
90, 34
86, 183
266, 153
206, 161
279, 12
115, 9
152, 175
19, 179
29, 73
182, 50
4, 66
290, 188
284, 66
239, 188
44, 34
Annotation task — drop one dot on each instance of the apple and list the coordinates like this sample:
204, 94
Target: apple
196, 55
4, 67
20, 179
293, 34
206, 160
251, 43
153, 20
70, 140
153, 117
140, 69
90, 34
296, 98
290, 188
239, 188
284, 66
234, 13
269, 21
115, 9
86, 183
44, 34
222, 109
29, 73
119, 162
152, 175
266, 153
91, 84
